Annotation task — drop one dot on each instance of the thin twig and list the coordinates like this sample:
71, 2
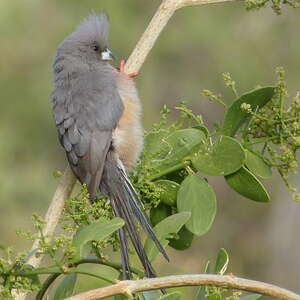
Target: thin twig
130, 287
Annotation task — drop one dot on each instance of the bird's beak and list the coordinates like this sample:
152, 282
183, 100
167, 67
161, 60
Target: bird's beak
107, 55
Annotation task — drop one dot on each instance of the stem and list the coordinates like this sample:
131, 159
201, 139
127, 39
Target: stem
45, 286
91, 274
169, 170
227, 281
114, 265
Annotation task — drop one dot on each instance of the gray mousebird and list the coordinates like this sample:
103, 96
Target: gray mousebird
97, 112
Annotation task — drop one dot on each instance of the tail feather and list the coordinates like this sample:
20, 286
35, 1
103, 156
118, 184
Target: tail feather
124, 247
116, 185
134, 203
134, 236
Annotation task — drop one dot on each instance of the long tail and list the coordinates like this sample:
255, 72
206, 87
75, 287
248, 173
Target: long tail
125, 203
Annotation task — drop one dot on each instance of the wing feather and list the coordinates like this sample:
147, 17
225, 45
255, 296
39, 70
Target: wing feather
86, 111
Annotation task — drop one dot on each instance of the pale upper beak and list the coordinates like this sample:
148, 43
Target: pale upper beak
107, 55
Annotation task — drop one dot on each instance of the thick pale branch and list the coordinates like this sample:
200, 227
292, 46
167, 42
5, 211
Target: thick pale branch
201, 2
147, 41
130, 287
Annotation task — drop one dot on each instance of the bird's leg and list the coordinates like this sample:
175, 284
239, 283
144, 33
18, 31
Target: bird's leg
121, 69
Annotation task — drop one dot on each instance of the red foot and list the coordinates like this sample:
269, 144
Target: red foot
122, 70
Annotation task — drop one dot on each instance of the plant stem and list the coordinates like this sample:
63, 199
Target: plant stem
45, 286
170, 170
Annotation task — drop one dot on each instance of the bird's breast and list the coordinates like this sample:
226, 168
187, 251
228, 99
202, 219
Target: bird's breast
128, 135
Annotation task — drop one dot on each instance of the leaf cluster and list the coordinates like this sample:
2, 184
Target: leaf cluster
259, 133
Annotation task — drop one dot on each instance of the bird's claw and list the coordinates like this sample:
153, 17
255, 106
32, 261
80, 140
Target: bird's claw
121, 69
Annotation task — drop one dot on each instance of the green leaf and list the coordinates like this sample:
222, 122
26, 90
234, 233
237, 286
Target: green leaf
150, 295
98, 231
235, 116
157, 214
163, 232
201, 292
222, 262
203, 128
183, 241
257, 165
197, 196
169, 189
222, 158
246, 184
99, 271
172, 296
251, 297
181, 145
66, 287
176, 176
153, 146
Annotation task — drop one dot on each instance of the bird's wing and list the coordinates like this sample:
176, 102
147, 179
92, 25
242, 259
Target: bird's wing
86, 112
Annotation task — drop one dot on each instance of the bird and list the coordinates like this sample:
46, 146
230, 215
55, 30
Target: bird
97, 112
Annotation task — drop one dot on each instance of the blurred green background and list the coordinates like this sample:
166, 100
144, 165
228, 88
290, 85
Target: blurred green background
197, 46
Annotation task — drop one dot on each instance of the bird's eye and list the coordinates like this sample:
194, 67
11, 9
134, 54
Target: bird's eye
96, 48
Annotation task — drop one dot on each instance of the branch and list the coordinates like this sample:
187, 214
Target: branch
130, 287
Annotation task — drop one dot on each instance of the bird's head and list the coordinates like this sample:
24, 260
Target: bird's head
89, 40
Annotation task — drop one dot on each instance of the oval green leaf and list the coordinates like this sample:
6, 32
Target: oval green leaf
157, 214
98, 231
149, 295
172, 296
197, 196
225, 157
257, 165
164, 231
182, 144
222, 262
66, 287
183, 241
245, 183
168, 191
153, 146
235, 116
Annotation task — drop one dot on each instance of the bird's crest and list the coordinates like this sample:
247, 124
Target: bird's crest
93, 28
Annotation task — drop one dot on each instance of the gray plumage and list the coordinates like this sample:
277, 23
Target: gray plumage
87, 108
86, 102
